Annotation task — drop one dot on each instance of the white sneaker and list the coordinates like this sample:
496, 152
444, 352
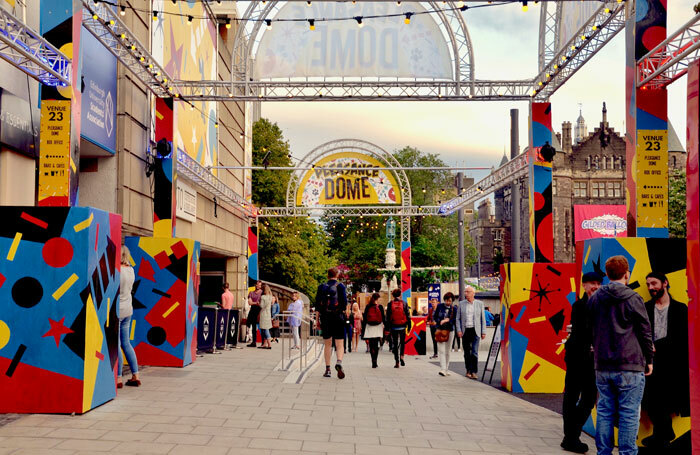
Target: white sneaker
441, 373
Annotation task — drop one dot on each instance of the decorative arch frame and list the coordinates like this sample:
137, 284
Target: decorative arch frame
451, 24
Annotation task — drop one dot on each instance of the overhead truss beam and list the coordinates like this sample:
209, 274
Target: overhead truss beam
512, 170
26, 50
349, 211
103, 21
354, 90
670, 59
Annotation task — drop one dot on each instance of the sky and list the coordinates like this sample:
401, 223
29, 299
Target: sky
505, 41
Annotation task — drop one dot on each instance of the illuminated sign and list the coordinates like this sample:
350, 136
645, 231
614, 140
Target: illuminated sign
593, 221
348, 178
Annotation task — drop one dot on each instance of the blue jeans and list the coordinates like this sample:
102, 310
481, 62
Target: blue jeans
470, 343
619, 399
264, 334
125, 344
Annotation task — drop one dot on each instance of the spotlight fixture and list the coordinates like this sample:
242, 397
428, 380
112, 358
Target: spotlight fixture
268, 24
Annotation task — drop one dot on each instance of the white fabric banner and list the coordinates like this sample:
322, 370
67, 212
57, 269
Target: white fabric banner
383, 47
573, 16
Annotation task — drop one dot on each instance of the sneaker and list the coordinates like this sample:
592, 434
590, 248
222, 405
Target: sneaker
574, 446
441, 373
327, 374
403, 364
339, 369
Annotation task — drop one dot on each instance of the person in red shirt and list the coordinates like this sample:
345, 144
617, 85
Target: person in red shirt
226, 298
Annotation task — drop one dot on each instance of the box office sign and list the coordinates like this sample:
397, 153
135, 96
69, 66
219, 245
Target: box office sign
55, 150
652, 179
349, 178
99, 103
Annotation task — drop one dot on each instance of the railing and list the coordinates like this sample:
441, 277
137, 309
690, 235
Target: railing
309, 341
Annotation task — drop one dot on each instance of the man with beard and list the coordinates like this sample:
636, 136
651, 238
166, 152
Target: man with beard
580, 391
667, 389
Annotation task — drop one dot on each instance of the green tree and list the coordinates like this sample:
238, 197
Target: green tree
292, 252
677, 215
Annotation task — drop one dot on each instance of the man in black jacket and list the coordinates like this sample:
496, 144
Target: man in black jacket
623, 354
580, 392
398, 320
667, 389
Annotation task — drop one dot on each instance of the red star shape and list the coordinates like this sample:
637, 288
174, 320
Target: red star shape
57, 330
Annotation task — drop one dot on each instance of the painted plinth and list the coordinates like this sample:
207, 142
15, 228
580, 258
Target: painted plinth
536, 303
59, 280
415, 339
163, 330
667, 256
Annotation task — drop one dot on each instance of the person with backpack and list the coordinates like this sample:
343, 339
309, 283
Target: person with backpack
398, 320
373, 326
331, 302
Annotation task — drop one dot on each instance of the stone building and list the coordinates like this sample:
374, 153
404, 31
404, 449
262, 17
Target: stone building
586, 172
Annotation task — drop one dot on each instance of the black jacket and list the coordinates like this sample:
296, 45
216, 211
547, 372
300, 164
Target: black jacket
621, 333
388, 316
578, 346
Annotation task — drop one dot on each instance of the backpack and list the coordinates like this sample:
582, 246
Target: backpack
374, 315
331, 298
398, 317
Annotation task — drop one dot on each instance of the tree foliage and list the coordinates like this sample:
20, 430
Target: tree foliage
292, 252
677, 215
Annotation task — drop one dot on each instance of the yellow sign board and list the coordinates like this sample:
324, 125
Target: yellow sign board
54, 162
652, 179
353, 179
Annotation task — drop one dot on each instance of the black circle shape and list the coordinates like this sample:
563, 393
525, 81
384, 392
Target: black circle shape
156, 336
27, 292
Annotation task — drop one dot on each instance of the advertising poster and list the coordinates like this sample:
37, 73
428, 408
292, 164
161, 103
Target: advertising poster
434, 293
595, 221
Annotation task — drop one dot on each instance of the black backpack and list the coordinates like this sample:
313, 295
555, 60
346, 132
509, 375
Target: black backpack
331, 298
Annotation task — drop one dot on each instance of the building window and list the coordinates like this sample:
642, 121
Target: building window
612, 162
588, 163
580, 189
597, 189
674, 162
554, 187
616, 189
604, 162
596, 162
497, 234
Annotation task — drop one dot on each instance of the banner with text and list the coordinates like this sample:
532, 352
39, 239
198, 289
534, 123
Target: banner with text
382, 47
360, 182
594, 221
652, 179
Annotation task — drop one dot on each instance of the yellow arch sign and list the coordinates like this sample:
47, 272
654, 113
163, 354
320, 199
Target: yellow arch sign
359, 182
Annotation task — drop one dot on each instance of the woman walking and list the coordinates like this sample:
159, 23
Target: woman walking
265, 317
373, 326
126, 310
274, 311
357, 326
445, 317
294, 320
398, 319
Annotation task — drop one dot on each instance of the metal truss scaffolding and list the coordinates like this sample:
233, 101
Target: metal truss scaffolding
549, 33
102, 20
349, 211
28, 51
670, 59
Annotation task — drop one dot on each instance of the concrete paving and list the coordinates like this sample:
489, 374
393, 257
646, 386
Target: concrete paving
235, 403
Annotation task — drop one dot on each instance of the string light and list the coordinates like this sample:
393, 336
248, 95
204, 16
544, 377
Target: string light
407, 20
189, 20
268, 22
122, 10
359, 21
228, 23
155, 15
311, 24
308, 3
525, 7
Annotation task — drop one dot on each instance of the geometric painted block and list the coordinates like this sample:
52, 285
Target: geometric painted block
59, 285
667, 256
166, 286
536, 302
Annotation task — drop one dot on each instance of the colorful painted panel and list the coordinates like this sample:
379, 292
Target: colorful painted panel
693, 261
166, 287
536, 303
415, 339
644, 256
252, 256
540, 184
188, 51
406, 272
59, 280
646, 115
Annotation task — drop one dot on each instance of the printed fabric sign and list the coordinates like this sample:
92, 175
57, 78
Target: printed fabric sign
360, 182
596, 221
99, 102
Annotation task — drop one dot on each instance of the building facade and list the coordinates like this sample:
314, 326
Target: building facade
113, 177
590, 171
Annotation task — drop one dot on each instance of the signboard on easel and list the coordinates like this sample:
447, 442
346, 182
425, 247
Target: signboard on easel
492, 358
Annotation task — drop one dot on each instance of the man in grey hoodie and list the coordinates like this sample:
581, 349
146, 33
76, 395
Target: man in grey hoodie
623, 352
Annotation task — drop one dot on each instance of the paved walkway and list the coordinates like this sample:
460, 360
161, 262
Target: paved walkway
235, 403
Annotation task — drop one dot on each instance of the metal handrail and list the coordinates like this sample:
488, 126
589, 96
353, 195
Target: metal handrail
308, 332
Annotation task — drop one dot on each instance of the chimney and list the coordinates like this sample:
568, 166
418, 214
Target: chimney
605, 116
566, 137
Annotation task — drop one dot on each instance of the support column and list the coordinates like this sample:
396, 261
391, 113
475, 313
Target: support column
253, 275
514, 191
540, 183
60, 108
165, 174
460, 237
647, 127
406, 260
693, 233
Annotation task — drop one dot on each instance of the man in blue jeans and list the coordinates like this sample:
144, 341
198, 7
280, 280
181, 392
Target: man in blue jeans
623, 352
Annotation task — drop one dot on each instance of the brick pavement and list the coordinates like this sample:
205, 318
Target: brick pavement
235, 403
